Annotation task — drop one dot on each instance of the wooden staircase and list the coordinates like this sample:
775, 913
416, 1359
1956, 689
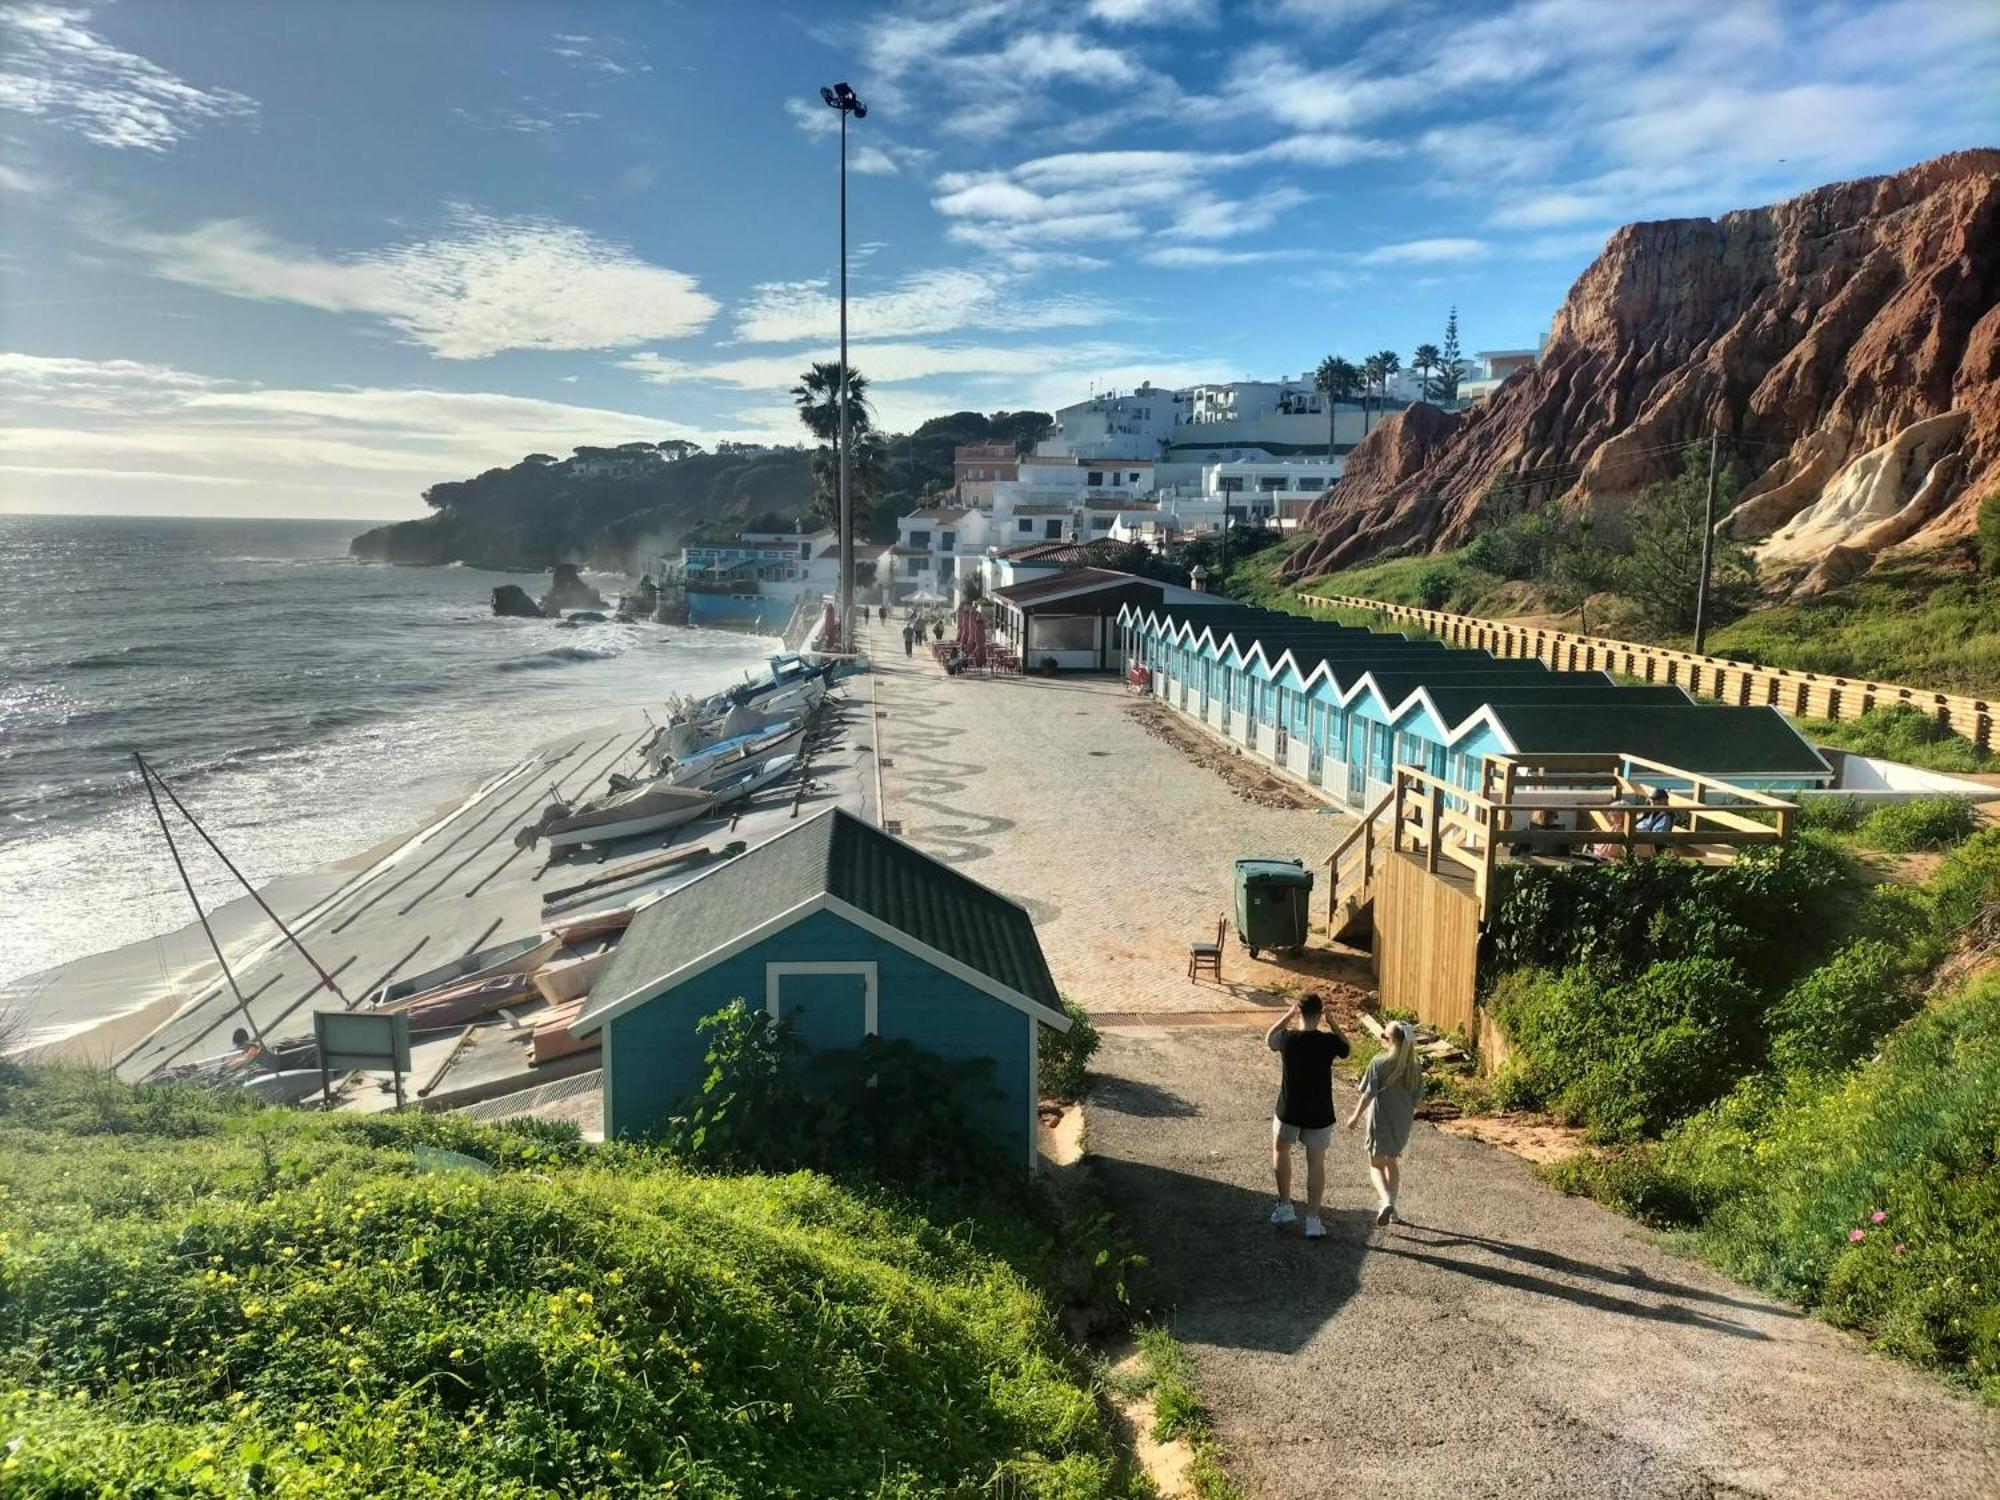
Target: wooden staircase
1350, 885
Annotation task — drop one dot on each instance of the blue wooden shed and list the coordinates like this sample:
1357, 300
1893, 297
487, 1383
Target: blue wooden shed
849, 931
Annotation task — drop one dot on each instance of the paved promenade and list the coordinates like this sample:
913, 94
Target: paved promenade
1052, 791
1508, 1341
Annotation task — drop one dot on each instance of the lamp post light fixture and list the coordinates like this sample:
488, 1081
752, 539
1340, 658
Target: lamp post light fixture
842, 98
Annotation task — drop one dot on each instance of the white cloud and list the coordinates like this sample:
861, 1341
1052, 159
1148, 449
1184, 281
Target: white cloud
55, 68
1206, 217
1207, 257
1539, 210
886, 363
72, 424
481, 286
610, 55
927, 303
1430, 252
15, 180
1154, 12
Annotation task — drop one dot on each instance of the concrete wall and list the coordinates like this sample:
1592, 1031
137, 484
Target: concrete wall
654, 1055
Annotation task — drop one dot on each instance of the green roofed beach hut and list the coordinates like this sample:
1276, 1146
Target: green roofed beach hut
848, 931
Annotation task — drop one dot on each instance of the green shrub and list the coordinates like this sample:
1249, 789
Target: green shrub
278, 1303
1966, 887
1899, 732
1921, 823
1839, 1011
1625, 1056
1831, 814
1629, 1179
1915, 1138
1770, 912
1989, 535
1065, 1055
1435, 587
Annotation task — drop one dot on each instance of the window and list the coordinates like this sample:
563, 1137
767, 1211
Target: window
920, 540
1094, 478
1230, 484
945, 567
1024, 524
1052, 530
918, 564
945, 539
1270, 483
1133, 476
805, 551
1101, 523
1311, 482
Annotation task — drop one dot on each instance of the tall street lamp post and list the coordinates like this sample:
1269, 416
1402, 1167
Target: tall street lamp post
842, 98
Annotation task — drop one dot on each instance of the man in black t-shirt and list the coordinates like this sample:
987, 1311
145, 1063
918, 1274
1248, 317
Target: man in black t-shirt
1305, 1105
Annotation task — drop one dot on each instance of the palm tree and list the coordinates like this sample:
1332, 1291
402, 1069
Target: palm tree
1335, 379
1372, 375
1391, 362
1425, 360
817, 396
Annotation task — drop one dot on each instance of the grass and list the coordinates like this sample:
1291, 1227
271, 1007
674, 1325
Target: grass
198, 1297
1901, 733
1445, 581
1181, 1415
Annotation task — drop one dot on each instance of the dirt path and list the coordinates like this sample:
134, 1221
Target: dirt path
1506, 1341
1509, 1342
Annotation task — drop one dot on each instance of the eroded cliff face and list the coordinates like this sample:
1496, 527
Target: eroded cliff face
1846, 343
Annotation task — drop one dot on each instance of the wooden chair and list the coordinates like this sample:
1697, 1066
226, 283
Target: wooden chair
1207, 957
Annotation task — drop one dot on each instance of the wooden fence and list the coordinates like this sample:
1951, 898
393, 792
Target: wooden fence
1804, 695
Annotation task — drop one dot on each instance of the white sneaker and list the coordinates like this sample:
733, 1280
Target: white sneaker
1314, 1229
1385, 1214
1284, 1214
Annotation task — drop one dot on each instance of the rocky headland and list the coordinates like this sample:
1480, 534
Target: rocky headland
1844, 343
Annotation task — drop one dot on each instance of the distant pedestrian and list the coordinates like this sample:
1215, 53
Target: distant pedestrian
1305, 1110
937, 631
909, 641
1390, 1089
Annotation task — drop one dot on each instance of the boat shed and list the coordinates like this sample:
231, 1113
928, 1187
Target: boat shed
1070, 618
1340, 706
850, 932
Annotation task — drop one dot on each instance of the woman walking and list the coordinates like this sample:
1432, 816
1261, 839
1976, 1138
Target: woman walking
1390, 1089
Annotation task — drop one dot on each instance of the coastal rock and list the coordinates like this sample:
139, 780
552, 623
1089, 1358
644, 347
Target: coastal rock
1824, 338
568, 591
586, 617
513, 601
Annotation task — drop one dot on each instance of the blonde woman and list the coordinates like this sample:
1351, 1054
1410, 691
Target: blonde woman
1390, 1089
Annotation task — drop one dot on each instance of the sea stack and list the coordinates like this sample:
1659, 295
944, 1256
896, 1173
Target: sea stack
513, 601
568, 591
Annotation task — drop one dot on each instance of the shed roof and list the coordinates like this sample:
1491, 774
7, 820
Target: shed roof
1714, 739
834, 855
1103, 590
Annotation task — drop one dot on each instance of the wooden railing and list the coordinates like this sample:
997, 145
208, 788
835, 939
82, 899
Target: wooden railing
1351, 865
1584, 803
1804, 695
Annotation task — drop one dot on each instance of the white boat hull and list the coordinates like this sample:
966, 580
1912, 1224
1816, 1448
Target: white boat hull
632, 827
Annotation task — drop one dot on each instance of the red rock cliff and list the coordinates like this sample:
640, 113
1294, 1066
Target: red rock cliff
1845, 342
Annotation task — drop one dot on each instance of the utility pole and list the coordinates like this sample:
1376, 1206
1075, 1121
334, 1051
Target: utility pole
1707, 550
843, 98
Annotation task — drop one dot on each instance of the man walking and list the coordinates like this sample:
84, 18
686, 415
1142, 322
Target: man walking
909, 641
1305, 1105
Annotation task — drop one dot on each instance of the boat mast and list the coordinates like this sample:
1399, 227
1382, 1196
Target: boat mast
243, 1005
156, 777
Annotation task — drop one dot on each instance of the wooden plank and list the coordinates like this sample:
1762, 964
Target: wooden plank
1426, 944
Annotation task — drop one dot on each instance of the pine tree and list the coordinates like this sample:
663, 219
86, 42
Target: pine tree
1445, 387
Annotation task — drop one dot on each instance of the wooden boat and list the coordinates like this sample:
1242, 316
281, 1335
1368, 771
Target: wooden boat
728, 757
650, 807
592, 924
552, 1037
455, 1004
752, 777
515, 957
569, 975
288, 1087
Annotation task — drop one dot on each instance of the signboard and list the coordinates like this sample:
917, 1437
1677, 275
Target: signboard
368, 1040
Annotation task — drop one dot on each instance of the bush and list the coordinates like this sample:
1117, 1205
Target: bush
1922, 823
281, 1304
1911, 1137
1838, 1012
1625, 1057
1435, 587
1771, 912
1989, 535
1900, 733
1965, 890
1831, 814
1065, 1055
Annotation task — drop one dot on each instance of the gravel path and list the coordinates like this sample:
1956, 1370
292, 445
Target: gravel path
1508, 1342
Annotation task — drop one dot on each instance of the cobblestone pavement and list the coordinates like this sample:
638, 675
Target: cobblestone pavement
1117, 843
1510, 1341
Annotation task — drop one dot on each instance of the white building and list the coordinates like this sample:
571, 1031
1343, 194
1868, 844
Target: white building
1233, 421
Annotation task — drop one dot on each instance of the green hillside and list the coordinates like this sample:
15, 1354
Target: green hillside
200, 1299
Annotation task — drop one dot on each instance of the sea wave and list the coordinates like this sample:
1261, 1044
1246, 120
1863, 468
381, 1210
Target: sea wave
557, 656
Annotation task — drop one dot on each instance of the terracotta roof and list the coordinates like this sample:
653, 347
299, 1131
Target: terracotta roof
1051, 553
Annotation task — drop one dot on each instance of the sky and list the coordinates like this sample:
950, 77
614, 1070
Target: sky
304, 260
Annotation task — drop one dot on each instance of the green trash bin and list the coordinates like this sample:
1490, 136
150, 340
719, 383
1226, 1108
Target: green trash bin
1273, 902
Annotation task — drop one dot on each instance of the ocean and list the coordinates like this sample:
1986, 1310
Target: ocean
303, 705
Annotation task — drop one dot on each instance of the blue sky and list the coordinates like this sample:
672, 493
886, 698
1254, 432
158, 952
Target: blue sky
303, 259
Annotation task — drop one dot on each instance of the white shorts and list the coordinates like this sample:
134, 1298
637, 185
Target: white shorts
1312, 1137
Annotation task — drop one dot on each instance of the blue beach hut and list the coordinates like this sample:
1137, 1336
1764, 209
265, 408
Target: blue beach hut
849, 931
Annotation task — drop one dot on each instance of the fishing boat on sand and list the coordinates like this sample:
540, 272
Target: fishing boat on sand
727, 757
650, 807
519, 956
753, 777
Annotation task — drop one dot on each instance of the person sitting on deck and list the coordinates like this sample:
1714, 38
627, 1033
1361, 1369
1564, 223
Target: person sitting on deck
1543, 820
1305, 1106
1658, 818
